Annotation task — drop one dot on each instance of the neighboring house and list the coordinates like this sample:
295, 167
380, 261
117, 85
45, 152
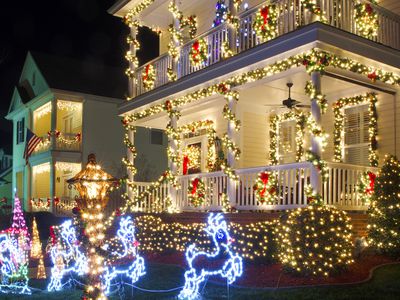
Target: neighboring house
72, 106
341, 56
5, 177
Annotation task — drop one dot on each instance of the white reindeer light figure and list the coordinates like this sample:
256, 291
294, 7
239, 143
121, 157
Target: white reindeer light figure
222, 262
126, 236
66, 259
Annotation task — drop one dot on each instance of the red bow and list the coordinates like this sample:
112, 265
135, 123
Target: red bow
372, 178
185, 164
264, 178
195, 183
264, 13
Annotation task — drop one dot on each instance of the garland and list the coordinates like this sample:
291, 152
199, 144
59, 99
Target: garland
301, 120
198, 53
338, 110
226, 50
265, 188
366, 187
230, 145
318, 163
149, 77
265, 23
196, 192
312, 93
311, 5
366, 20
313, 198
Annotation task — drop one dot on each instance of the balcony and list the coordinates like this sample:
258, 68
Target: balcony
291, 15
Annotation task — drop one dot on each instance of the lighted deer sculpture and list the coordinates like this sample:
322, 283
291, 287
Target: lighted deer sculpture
222, 262
14, 266
136, 268
66, 257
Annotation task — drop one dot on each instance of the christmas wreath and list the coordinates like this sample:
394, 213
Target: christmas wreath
265, 188
366, 20
198, 53
265, 23
149, 77
197, 193
366, 187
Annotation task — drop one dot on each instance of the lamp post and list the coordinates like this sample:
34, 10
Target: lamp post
93, 183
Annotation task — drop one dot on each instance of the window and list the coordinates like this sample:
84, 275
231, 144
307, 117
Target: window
287, 141
356, 135
20, 131
156, 137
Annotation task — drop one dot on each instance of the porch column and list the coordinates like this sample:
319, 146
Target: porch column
233, 9
177, 45
172, 162
316, 148
131, 158
52, 184
230, 159
131, 57
53, 125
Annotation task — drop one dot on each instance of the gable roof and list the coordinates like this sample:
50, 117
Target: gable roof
69, 74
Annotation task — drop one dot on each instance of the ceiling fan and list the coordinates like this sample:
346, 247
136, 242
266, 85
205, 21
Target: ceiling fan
289, 102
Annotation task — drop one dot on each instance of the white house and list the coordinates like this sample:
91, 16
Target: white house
340, 59
72, 106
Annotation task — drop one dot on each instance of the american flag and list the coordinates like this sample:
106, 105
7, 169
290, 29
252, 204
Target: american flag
32, 140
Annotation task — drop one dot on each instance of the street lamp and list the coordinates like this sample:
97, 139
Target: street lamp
93, 183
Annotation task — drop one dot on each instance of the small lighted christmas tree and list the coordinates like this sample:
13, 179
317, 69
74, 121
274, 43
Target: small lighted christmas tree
384, 212
36, 251
19, 230
41, 271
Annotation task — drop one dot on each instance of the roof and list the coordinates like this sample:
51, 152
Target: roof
70, 74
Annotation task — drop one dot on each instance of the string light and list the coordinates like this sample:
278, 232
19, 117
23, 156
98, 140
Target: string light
231, 269
265, 23
366, 19
265, 188
36, 251
42, 111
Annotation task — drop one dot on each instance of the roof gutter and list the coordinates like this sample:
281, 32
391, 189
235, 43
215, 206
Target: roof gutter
117, 6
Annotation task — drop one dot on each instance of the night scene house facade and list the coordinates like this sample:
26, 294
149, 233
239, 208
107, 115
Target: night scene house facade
72, 107
223, 89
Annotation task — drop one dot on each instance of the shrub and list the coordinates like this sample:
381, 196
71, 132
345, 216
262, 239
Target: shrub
315, 240
384, 212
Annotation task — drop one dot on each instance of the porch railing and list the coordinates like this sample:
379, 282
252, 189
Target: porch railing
68, 143
292, 15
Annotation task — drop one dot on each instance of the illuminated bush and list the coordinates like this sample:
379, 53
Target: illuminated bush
384, 212
254, 242
315, 240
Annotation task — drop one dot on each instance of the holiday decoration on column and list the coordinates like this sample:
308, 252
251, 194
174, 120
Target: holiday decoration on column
265, 188
220, 13
203, 264
198, 53
197, 192
366, 20
149, 77
384, 212
124, 246
366, 187
265, 23
37, 252
93, 183
66, 255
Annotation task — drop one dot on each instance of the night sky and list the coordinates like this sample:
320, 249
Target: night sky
78, 29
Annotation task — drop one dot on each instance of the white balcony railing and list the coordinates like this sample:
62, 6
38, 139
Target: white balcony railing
291, 15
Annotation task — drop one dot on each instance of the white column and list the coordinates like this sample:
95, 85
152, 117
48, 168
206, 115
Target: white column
173, 144
53, 125
231, 133
131, 158
175, 67
316, 178
132, 63
52, 184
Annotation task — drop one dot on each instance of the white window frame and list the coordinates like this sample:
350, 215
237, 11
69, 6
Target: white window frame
202, 139
289, 156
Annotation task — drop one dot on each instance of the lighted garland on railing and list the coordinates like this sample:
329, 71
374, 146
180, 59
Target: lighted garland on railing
149, 77
311, 5
366, 19
338, 110
266, 22
137, 10
312, 93
198, 53
301, 121
226, 50
318, 163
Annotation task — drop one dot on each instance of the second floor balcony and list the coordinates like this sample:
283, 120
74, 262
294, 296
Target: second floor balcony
59, 127
362, 18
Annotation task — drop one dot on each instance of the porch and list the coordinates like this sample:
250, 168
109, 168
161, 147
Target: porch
225, 40
340, 189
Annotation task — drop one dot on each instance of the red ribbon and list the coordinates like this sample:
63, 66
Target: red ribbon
185, 164
264, 13
372, 178
264, 178
195, 183
146, 76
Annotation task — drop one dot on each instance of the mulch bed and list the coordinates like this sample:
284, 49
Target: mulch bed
272, 275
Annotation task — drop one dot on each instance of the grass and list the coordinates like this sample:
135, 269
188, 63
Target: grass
385, 284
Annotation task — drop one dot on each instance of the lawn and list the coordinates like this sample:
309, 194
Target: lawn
385, 284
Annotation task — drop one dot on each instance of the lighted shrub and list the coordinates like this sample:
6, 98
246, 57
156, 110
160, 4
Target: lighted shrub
315, 240
384, 212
